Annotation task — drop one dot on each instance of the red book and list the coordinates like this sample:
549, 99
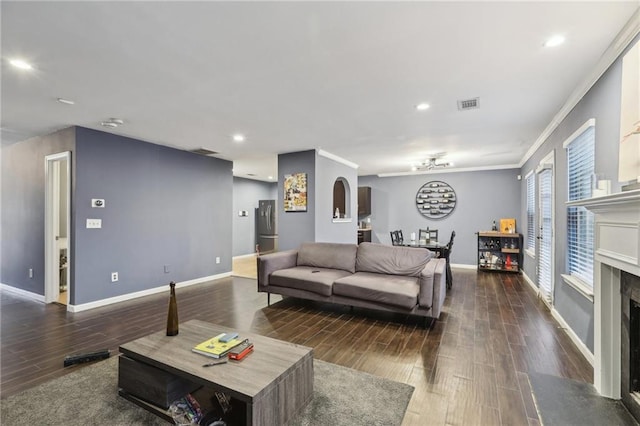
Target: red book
241, 351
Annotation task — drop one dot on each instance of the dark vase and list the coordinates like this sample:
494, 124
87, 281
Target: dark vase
172, 316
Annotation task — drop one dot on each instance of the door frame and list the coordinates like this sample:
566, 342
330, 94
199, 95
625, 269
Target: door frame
52, 168
547, 163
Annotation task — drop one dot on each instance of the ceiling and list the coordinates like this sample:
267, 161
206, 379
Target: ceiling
343, 77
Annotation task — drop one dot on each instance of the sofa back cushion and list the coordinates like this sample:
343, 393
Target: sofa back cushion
394, 260
328, 255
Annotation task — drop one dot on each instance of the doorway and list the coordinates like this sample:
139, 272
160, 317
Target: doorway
57, 228
545, 265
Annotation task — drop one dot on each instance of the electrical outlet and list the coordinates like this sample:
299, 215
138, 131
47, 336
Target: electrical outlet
166, 269
30, 272
94, 223
114, 277
217, 259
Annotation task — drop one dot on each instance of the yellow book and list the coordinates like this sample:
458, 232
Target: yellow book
215, 348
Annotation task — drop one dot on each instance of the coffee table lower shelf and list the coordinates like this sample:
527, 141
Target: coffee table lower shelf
237, 415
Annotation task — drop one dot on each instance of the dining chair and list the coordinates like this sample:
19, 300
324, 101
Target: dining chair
394, 238
428, 235
400, 237
447, 254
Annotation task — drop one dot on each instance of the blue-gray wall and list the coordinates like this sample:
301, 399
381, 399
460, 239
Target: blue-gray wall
295, 228
23, 190
246, 193
327, 172
163, 207
601, 102
482, 197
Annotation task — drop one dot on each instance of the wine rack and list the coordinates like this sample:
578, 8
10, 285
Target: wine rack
436, 200
498, 251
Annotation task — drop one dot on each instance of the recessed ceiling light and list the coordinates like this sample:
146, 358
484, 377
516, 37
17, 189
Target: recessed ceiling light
554, 41
414, 168
270, 177
422, 107
19, 63
238, 137
66, 101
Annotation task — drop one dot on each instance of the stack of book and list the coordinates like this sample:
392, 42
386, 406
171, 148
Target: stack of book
221, 346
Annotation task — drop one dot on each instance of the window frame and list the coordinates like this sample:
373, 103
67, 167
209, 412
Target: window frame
580, 186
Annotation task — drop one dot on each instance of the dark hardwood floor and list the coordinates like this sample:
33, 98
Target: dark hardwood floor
469, 368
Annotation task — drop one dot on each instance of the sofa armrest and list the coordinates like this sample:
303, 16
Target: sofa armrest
269, 263
433, 285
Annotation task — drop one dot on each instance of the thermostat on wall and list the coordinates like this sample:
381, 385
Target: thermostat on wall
97, 202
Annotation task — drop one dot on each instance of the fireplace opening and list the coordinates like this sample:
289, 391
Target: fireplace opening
634, 347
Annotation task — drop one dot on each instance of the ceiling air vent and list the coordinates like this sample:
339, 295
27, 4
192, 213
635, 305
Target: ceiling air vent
203, 151
469, 104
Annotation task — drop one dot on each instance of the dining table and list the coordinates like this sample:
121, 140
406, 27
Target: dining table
439, 248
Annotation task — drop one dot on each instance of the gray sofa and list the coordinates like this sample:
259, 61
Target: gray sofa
390, 278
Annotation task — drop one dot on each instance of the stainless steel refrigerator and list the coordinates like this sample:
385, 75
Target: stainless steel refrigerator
266, 232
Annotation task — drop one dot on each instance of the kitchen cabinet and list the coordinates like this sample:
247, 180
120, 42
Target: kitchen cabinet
364, 200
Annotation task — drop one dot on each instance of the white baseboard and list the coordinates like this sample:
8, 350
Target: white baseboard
130, 296
20, 292
572, 335
463, 266
242, 256
531, 283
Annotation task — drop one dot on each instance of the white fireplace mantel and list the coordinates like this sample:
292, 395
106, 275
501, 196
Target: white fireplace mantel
617, 247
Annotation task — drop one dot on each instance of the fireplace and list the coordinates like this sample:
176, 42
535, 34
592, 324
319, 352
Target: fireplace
616, 296
630, 343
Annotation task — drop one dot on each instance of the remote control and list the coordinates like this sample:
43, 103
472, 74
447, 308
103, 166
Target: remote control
86, 357
228, 337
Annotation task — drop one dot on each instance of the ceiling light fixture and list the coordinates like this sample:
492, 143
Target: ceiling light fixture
270, 177
112, 123
554, 41
19, 63
238, 137
422, 107
432, 163
65, 101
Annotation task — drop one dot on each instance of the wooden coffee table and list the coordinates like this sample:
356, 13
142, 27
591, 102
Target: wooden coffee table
269, 387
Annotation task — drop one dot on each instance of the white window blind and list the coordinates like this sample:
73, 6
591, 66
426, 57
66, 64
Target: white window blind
580, 168
531, 212
545, 270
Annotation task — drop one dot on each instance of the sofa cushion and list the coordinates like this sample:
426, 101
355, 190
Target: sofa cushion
328, 255
393, 260
397, 290
317, 280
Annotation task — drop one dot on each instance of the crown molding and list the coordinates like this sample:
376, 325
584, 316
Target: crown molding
615, 49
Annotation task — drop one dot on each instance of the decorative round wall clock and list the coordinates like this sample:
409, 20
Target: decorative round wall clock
436, 200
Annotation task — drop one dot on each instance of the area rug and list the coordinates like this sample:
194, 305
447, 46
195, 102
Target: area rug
342, 396
563, 402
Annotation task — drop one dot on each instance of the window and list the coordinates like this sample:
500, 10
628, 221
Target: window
531, 212
580, 168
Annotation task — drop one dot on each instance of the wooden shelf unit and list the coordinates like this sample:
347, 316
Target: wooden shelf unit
499, 251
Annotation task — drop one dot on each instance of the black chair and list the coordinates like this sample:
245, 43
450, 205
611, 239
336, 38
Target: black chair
394, 238
447, 254
428, 235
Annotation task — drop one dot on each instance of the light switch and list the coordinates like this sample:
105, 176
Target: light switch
94, 223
